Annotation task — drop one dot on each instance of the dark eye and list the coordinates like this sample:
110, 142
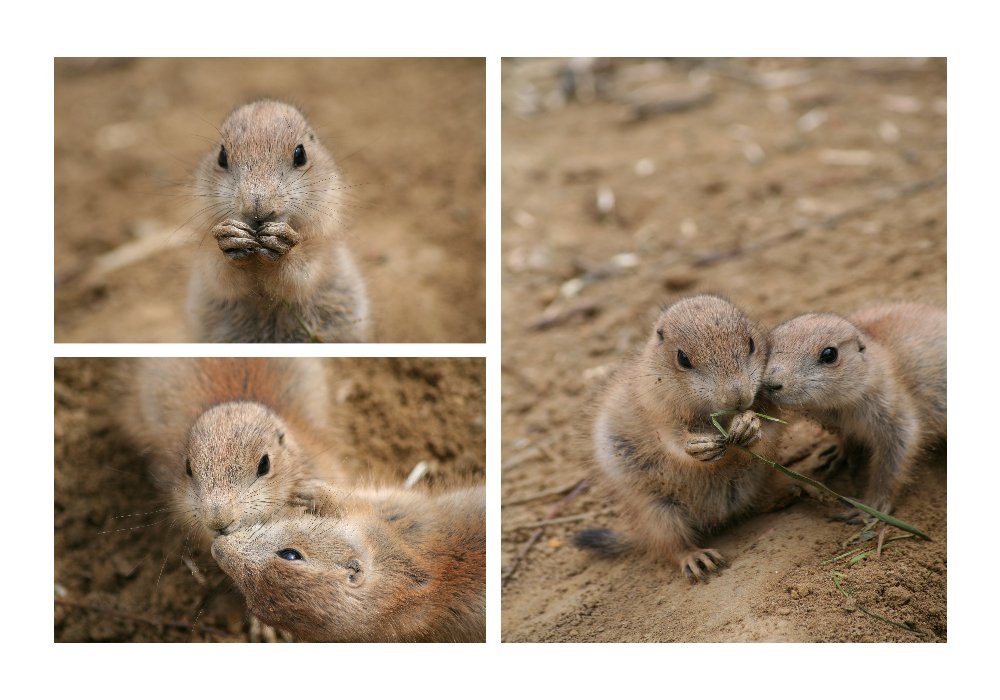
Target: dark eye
683, 360
187, 467
290, 554
264, 465
828, 356
299, 157
752, 346
223, 158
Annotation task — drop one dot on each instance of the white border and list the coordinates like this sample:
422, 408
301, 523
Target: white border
37, 32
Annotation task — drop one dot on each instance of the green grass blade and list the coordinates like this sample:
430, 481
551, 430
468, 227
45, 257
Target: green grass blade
837, 575
895, 522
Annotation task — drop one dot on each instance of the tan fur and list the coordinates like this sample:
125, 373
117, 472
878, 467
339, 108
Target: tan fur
221, 415
377, 566
886, 393
677, 477
280, 270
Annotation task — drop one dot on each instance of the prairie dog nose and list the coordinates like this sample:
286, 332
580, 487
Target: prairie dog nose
739, 397
258, 207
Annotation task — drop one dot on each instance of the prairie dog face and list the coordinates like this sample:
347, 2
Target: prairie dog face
817, 361
706, 355
308, 574
269, 166
240, 464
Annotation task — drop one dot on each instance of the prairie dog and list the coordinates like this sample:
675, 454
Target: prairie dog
275, 198
370, 566
878, 379
229, 437
676, 475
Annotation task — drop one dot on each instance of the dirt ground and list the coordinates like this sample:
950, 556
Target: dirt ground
119, 575
787, 185
410, 137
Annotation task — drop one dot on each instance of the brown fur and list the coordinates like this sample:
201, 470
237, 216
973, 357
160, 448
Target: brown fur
377, 566
280, 275
886, 393
221, 415
677, 477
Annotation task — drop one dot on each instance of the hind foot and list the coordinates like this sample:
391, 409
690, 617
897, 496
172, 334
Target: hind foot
854, 517
700, 564
828, 460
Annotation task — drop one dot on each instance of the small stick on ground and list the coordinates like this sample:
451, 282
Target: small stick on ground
547, 451
553, 511
554, 521
540, 495
838, 575
521, 457
829, 222
127, 254
556, 316
195, 571
416, 475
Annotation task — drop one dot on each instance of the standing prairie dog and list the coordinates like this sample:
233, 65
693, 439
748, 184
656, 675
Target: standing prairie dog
676, 475
368, 566
275, 198
229, 437
878, 379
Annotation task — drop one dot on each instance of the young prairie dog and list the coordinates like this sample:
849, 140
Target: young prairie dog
277, 274
677, 477
229, 437
879, 379
368, 566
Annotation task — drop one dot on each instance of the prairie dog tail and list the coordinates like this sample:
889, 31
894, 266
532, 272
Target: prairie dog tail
603, 542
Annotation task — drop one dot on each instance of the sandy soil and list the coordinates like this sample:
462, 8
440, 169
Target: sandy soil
788, 185
118, 569
409, 134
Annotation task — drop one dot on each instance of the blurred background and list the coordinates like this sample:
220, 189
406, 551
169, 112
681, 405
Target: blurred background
408, 133
789, 185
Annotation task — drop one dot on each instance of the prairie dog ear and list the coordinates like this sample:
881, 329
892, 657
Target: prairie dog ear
354, 573
861, 343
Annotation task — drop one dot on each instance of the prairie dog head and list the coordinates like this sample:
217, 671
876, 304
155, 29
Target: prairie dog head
240, 464
269, 166
703, 355
817, 361
315, 576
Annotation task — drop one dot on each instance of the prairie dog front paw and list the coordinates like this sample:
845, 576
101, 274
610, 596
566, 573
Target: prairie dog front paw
236, 239
276, 238
744, 429
706, 448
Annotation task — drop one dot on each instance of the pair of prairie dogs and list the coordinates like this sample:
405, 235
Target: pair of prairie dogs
273, 270
877, 379
240, 447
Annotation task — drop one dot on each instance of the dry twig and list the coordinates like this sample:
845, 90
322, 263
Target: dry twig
554, 521
553, 511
